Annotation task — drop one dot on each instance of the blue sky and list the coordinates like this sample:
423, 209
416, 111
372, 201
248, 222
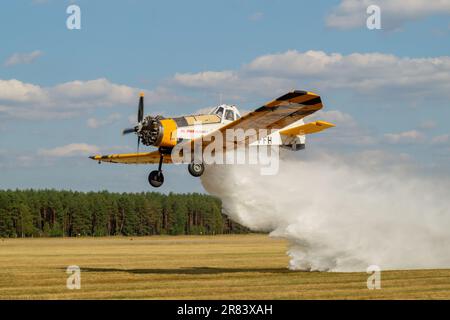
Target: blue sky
67, 93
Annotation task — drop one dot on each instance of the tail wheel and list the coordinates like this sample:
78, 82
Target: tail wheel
156, 178
196, 169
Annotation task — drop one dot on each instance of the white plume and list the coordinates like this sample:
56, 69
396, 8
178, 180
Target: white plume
339, 215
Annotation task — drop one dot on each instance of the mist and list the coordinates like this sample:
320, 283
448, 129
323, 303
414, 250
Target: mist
341, 214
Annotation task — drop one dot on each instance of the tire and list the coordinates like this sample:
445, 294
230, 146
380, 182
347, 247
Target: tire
196, 169
156, 178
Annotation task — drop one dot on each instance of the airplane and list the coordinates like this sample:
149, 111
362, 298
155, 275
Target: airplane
281, 118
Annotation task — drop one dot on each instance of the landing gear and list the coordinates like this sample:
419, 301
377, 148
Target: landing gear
156, 177
196, 169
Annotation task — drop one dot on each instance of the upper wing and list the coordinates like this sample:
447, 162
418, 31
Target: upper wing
280, 112
275, 114
130, 158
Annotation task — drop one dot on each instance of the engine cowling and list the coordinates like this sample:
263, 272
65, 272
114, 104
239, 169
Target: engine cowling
159, 132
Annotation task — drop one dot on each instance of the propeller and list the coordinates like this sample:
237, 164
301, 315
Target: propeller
140, 117
149, 129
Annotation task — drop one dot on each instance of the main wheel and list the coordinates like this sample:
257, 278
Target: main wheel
196, 169
156, 178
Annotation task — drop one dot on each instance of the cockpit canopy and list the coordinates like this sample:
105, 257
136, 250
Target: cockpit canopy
226, 112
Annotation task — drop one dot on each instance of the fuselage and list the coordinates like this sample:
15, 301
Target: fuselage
172, 131
195, 126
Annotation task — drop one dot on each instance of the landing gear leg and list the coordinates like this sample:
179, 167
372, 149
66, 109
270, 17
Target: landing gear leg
156, 177
161, 158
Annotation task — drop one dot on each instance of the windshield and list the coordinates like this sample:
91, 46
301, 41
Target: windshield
229, 115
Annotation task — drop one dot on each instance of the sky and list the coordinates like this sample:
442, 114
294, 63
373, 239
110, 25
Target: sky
66, 94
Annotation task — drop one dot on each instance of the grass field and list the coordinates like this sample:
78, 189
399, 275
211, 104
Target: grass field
189, 267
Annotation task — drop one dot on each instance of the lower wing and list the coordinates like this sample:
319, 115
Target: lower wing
130, 158
308, 128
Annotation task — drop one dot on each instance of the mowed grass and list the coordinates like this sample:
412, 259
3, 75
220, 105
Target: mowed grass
189, 267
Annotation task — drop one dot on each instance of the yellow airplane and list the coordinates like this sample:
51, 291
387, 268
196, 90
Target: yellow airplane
279, 122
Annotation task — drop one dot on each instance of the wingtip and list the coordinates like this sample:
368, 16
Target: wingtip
325, 123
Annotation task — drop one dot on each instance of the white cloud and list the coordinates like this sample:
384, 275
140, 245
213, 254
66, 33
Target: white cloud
35, 113
25, 100
256, 16
374, 74
442, 139
69, 150
205, 110
412, 136
17, 91
100, 92
292, 62
95, 123
428, 124
205, 79
132, 119
364, 72
347, 131
377, 159
48, 157
79, 150
334, 116
394, 13
22, 58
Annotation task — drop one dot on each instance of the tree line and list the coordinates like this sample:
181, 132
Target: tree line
42, 213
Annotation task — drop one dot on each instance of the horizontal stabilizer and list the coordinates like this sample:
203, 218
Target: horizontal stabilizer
311, 127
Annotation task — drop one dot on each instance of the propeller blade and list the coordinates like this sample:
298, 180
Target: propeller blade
128, 130
140, 116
